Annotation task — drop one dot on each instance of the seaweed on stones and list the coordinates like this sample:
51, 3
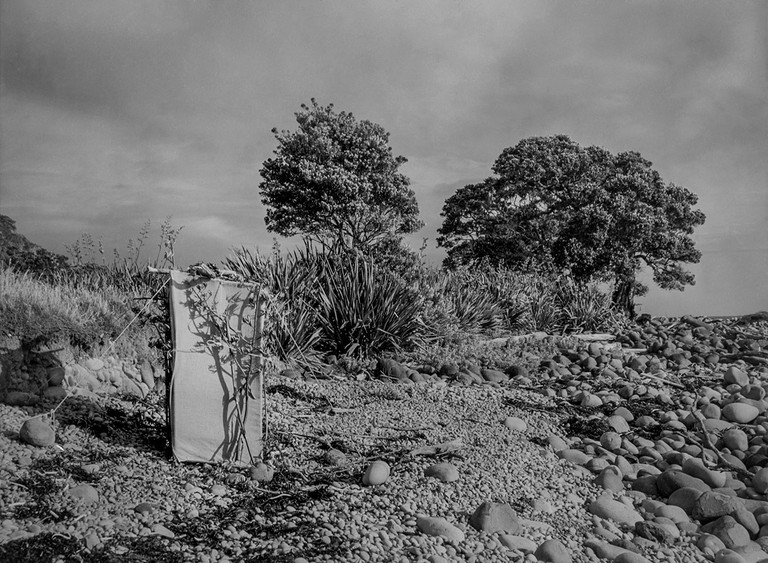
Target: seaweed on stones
585, 427
291, 393
41, 548
41, 492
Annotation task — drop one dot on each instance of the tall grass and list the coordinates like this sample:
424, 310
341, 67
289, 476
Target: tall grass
36, 311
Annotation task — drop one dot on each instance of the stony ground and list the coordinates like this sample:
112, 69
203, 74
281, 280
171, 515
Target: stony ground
599, 452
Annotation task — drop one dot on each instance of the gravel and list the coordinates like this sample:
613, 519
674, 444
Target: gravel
315, 508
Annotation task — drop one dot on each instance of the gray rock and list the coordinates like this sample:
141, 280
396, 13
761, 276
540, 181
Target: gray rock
618, 423
711, 542
445, 472
730, 532
610, 479
335, 457
671, 480
553, 551
495, 517
604, 550
515, 424
630, 557
376, 474
56, 376
695, 467
84, 493
711, 505
735, 439
577, 457
520, 543
606, 507
20, 399
557, 443
37, 432
261, 472
55, 393
494, 376
685, 498
94, 364
436, 526
654, 532
389, 369
741, 413
735, 375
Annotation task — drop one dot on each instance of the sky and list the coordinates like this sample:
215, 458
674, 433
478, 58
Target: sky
117, 112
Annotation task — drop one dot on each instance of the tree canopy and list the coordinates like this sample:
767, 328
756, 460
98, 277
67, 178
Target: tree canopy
554, 204
335, 180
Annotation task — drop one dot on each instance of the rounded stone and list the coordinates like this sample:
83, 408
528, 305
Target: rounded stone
37, 432
610, 440
741, 413
520, 543
55, 393
445, 472
515, 424
56, 376
618, 423
577, 457
376, 474
606, 507
436, 526
492, 517
94, 364
553, 551
734, 375
630, 557
685, 498
735, 439
760, 480
84, 493
728, 556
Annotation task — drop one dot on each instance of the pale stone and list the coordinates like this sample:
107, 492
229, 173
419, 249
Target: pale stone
376, 474
436, 526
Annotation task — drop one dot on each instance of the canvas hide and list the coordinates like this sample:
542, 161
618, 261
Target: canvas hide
204, 420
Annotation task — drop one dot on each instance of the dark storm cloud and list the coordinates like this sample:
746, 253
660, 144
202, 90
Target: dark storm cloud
115, 111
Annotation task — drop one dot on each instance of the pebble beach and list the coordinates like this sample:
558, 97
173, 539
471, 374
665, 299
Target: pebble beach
647, 445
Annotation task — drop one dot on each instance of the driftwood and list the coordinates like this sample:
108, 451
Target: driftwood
450, 446
722, 461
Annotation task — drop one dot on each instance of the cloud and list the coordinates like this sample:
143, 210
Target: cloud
115, 111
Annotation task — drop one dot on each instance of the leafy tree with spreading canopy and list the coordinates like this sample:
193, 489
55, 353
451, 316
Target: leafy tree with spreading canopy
335, 181
554, 205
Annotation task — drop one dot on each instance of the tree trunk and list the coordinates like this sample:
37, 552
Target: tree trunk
624, 296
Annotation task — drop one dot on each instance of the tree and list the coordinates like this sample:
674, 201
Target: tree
335, 180
552, 204
18, 252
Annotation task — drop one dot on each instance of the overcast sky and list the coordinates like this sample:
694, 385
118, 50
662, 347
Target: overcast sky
115, 112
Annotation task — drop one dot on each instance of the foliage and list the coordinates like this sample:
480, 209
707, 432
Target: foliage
336, 181
291, 330
562, 305
17, 252
364, 311
553, 205
35, 311
331, 301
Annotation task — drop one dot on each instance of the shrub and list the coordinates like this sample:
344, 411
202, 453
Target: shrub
332, 301
363, 310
